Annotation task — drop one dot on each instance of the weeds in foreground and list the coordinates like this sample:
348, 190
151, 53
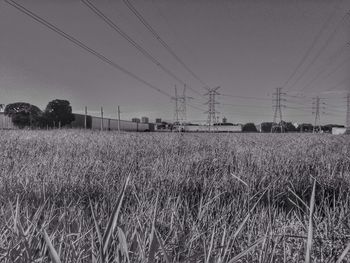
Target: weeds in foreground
146, 198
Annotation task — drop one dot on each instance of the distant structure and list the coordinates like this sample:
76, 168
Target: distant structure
6, 122
180, 111
316, 107
277, 123
158, 120
224, 120
137, 120
144, 120
212, 120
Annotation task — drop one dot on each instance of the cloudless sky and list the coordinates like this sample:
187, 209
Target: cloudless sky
247, 47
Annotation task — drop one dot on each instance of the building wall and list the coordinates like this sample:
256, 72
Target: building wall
204, 128
6, 122
79, 121
92, 123
112, 124
338, 131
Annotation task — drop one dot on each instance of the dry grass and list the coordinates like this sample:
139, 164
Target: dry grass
80, 196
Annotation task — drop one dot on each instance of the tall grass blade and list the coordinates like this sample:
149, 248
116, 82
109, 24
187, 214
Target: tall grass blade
153, 249
249, 249
97, 228
310, 229
53, 253
343, 255
154, 244
124, 245
211, 246
165, 254
113, 219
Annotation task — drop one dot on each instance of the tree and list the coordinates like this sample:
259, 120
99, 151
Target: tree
289, 127
23, 114
266, 126
249, 127
58, 112
305, 127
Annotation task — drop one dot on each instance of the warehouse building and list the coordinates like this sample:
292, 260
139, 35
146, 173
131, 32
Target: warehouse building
108, 124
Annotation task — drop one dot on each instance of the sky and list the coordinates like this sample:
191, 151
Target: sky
246, 47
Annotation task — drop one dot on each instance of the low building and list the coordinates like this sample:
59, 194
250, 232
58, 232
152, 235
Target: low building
137, 120
215, 128
338, 131
6, 122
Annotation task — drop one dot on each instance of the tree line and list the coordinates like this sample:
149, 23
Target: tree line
288, 127
57, 113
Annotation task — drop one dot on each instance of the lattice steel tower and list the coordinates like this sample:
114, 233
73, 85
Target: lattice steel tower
317, 105
277, 117
180, 113
176, 110
212, 120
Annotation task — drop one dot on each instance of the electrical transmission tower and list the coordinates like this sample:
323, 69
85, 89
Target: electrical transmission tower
277, 117
176, 110
180, 112
212, 113
348, 113
317, 105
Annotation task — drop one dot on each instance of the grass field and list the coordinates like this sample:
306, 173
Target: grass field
77, 196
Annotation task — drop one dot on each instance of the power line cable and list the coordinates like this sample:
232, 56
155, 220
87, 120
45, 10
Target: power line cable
344, 62
320, 51
161, 41
249, 106
311, 47
86, 48
344, 81
324, 69
116, 28
82, 45
245, 97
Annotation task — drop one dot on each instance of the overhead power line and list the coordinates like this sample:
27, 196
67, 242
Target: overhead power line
245, 97
88, 49
116, 28
82, 45
330, 61
311, 47
161, 41
320, 51
339, 84
249, 106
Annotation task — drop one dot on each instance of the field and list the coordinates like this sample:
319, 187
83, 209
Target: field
82, 196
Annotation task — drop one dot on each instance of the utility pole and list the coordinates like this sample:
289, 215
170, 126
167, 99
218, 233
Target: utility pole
211, 107
118, 118
348, 113
316, 107
101, 118
278, 110
85, 118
